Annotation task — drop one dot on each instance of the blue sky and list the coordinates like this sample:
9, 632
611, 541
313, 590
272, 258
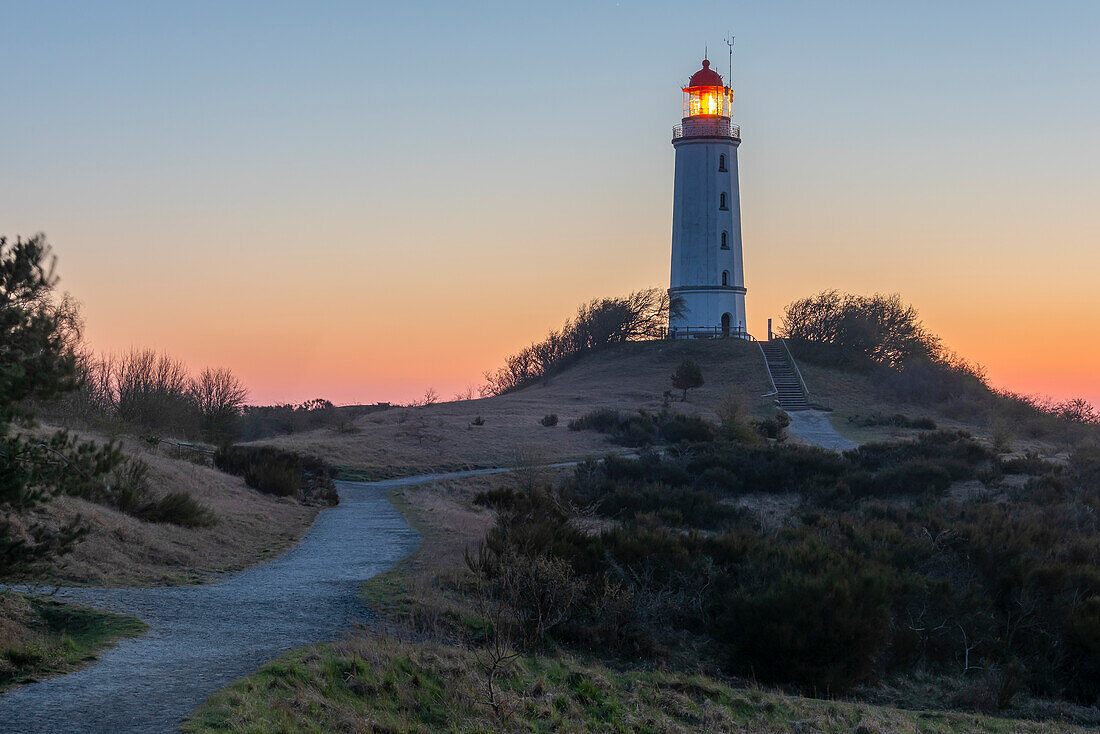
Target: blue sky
353, 172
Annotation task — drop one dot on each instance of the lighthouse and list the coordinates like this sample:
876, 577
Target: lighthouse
708, 278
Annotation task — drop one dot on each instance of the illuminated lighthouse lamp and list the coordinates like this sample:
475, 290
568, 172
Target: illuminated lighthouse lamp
706, 95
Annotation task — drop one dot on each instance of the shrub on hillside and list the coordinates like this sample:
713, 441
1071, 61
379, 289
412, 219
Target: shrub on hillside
176, 508
279, 472
39, 334
152, 392
848, 589
263, 421
601, 420
897, 420
643, 428
549, 420
688, 376
879, 327
128, 490
597, 324
774, 428
914, 477
823, 630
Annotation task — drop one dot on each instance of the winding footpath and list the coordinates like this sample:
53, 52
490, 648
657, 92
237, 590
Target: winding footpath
203, 637
813, 427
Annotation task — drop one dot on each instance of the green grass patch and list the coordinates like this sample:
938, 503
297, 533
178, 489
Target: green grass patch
43, 637
389, 685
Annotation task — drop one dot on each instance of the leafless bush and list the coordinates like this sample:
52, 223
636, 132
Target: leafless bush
598, 323
521, 598
220, 396
153, 391
880, 327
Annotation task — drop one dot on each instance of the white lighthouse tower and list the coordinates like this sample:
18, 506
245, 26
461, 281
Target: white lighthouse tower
708, 278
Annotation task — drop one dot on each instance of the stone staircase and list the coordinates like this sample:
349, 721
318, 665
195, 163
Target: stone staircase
791, 394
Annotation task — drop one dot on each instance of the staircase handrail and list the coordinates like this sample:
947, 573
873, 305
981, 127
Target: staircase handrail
767, 368
790, 357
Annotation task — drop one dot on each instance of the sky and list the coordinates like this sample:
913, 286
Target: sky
361, 200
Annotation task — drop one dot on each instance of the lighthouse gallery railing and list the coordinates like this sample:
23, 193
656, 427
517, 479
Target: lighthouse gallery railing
706, 126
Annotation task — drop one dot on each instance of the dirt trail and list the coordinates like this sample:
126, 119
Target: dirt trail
813, 427
203, 637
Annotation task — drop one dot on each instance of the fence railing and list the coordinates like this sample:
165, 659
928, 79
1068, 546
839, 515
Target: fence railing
706, 127
184, 446
709, 332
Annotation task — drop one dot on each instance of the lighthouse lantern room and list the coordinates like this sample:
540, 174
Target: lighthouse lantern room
708, 280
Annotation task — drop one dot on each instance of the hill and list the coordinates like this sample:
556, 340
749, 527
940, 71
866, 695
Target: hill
863, 402
120, 549
627, 377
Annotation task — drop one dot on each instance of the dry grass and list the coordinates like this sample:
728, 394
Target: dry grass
372, 683
627, 377
852, 394
420, 681
250, 528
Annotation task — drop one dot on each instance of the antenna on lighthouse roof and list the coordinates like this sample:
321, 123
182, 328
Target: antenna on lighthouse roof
729, 79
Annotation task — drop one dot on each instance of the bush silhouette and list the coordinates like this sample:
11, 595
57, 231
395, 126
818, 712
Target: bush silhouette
688, 376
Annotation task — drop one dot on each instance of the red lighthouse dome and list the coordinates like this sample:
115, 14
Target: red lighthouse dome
705, 77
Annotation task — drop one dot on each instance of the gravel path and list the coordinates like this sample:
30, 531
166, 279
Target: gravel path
203, 637
813, 427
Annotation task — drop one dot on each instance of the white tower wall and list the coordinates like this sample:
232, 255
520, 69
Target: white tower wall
698, 223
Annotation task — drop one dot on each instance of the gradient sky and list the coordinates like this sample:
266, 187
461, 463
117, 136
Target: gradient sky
361, 200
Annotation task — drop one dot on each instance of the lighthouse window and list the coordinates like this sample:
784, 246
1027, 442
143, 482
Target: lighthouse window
725, 277
725, 241
722, 163
722, 202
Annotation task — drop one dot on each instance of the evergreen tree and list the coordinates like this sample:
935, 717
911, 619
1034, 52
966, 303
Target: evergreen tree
38, 361
688, 376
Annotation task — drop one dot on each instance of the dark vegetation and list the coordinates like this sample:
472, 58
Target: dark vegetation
878, 573
597, 324
879, 328
279, 472
936, 559
40, 365
688, 376
643, 428
265, 421
883, 338
155, 395
897, 420
549, 420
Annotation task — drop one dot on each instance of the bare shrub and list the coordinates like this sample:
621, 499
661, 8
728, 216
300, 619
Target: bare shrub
597, 324
880, 327
152, 390
219, 396
521, 598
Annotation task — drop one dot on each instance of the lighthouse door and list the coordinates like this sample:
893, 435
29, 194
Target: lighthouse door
725, 324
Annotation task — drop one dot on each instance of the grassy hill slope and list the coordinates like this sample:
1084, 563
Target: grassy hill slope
249, 527
626, 376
